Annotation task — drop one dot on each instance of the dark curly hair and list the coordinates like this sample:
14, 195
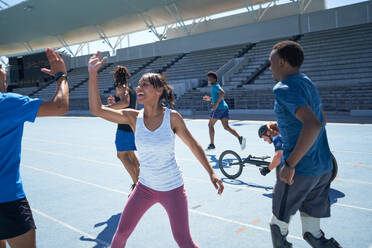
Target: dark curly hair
121, 75
290, 51
159, 81
212, 74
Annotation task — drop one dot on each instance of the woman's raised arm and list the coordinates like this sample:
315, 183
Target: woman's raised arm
124, 116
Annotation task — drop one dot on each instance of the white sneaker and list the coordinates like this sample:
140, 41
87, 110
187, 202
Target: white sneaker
242, 142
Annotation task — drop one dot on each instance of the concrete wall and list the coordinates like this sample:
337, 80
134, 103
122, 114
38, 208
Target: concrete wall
338, 17
270, 29
274, 12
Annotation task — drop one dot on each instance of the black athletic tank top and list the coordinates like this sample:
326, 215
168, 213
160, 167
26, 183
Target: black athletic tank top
132, 105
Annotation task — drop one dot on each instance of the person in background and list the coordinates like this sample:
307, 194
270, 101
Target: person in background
125, 97
270, 133
220, 111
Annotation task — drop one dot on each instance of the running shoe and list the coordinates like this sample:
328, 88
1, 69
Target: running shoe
321, 242
211, 147
242, 142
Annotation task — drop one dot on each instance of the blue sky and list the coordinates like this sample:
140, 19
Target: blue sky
337, 3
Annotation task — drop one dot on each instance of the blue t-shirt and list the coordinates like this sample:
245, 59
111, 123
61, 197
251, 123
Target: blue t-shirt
290, 94
14, 111
215, 93
278, 143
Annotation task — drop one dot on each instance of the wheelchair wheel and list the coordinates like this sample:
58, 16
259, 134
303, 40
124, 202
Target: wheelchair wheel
335, 168
230, 164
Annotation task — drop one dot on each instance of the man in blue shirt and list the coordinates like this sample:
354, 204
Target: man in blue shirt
270, 134
220, 111
307, 161
17, 226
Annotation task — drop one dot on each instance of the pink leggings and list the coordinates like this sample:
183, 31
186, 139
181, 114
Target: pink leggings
141, 199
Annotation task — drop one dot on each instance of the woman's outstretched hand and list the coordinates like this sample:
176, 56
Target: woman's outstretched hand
95, 63
217, 182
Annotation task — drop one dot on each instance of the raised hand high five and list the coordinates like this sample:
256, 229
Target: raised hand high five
56, 63
95, 63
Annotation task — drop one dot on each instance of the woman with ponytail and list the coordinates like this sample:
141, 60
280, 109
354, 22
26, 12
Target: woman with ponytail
160, 178
125, 97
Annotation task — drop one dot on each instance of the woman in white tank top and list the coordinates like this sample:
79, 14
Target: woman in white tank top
160, 178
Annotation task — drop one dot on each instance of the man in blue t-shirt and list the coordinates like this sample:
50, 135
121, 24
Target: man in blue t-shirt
17, 226
270, 134
307, 161
220, 111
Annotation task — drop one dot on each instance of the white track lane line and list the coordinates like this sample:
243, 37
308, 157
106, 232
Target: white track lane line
69, 227
352, 181
126, 193
246, 187
348, 151
191, 160
178, 159
75, 179
73, 157
102, 163
206, 120
351, 206
238, 222
71, 144
260, 122
109, 150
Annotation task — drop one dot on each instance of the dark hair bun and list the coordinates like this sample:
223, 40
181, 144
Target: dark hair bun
121, 75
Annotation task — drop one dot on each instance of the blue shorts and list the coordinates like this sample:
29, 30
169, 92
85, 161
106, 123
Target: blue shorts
220, 114
124, 141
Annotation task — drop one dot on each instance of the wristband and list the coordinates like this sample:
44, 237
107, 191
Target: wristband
58, 75
287, 165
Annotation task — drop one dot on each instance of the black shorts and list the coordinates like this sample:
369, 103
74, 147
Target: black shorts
307, 194
15, 219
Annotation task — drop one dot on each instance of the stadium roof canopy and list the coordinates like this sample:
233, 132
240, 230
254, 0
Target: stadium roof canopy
36, 24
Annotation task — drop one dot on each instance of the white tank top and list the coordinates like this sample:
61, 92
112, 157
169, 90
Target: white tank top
158, 167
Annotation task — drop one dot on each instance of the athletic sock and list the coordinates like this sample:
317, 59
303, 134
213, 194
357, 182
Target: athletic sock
283, 226
311, 225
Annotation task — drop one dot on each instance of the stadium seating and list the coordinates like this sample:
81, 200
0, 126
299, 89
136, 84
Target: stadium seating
75, 77
195, 65
341, 56
339, 61
105, 78
256, 57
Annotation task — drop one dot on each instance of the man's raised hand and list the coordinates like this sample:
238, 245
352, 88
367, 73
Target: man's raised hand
56, 63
